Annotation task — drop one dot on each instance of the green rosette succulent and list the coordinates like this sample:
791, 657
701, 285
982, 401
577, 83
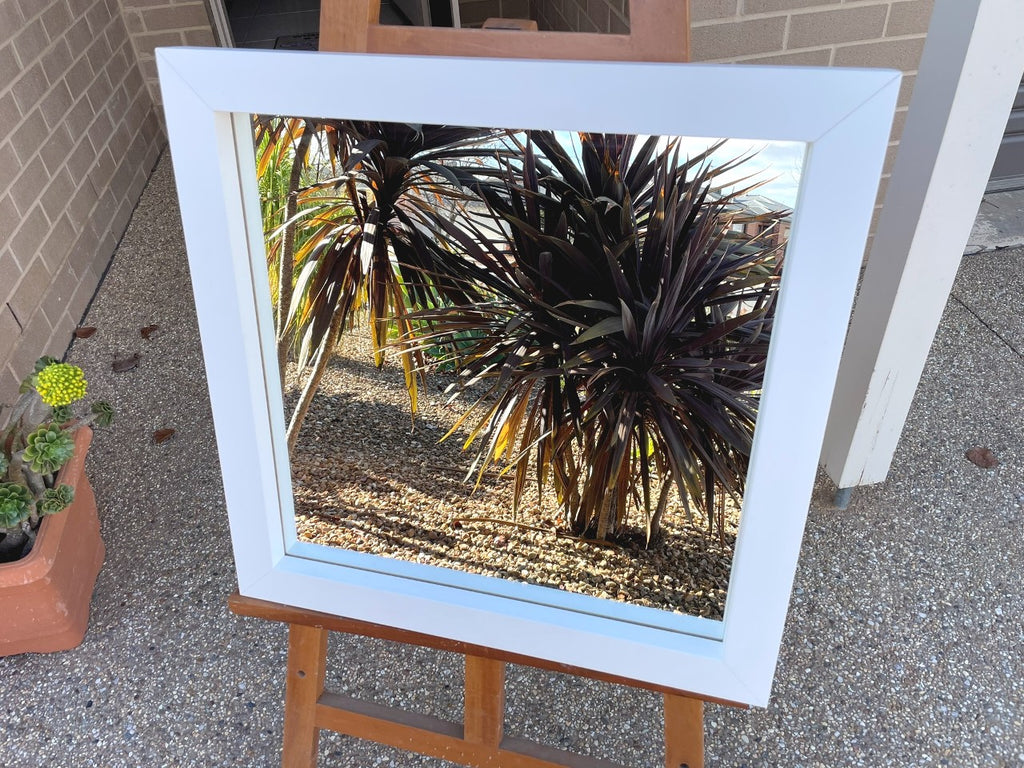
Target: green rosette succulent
56, 500
104, 413
48, 449
15, 504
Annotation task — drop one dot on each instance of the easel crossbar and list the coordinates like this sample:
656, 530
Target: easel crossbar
439, 738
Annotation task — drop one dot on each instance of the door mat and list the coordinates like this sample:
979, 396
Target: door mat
309, 41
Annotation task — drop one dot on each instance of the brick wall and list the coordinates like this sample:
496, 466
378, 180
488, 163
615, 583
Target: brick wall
154, 23
583, 15
78, 139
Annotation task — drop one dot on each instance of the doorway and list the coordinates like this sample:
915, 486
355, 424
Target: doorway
285, 24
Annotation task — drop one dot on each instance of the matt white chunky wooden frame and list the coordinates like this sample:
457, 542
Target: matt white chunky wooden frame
843, 115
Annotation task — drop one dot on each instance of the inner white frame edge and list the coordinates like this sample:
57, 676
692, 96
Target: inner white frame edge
844, 116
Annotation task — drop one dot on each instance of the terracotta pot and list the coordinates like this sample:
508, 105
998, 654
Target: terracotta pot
44, 598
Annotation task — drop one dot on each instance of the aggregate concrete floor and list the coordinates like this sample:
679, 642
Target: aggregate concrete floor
904, 644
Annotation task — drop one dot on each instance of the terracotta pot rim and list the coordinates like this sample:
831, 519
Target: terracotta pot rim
40, 560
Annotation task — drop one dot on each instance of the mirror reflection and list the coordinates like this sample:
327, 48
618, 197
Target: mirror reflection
535, 355
295, 24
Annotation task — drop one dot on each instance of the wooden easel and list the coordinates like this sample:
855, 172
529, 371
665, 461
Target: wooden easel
478, 741
659, 31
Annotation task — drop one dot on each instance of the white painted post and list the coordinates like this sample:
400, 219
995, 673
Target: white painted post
969, 73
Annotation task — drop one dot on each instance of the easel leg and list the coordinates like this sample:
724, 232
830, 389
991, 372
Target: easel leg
684, 732
307, 660
484, 717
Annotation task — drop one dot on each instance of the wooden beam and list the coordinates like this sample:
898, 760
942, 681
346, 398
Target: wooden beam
426, 735
969, 74
684, 732
484, 707
307, 662
264, 609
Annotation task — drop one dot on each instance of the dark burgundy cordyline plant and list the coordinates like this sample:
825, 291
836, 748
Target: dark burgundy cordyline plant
624, 332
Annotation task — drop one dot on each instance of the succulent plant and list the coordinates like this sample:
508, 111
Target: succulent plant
35, 442
103, 412
15, 504
56, 499
48, 449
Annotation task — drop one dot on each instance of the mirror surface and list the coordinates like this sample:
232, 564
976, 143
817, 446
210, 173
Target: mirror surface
530, 355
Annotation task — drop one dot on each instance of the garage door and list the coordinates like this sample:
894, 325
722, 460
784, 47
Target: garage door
1008, 171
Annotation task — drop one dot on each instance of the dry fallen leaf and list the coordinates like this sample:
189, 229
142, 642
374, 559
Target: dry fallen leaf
126, 364
983, 457
84, 332
162, 435
149, 330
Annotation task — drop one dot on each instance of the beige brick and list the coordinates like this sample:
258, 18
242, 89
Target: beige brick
143, 3
36, 336
10, 116
898, 54
10, 332
56, 61
10, 67
98, 54
83, 252
10, 273
56, 19
10, 166
98, 17
84, 291
148, 42
26, 188
55, 149
199, 37
898, 121
728, 40
29, 236
175, 17
909, 18
703, 10
816, 58
29, 88
81, 204
807, 30
10, 18
79, 117
26, 137
9, 220
8, 385
772, 6
79, 36
30, 42
78, 80
906, 90
55, 105
30, 289
57, 195
56, 300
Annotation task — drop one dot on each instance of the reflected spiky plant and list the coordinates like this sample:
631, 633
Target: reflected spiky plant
625, 330
367, 239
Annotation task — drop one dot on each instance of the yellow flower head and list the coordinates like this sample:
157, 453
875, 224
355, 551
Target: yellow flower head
61, 384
